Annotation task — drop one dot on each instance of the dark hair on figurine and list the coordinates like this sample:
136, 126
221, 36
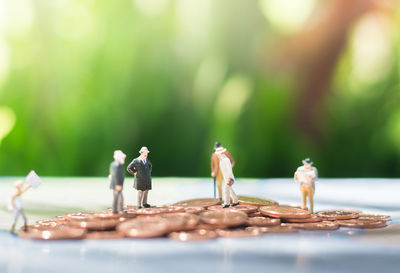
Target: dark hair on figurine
217, 145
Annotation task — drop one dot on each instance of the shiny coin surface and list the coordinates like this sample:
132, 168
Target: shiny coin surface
338, 214
104, 235
284, 212
356, 223
95, 224
239, 233
195, 235
194, 210
224, 218
159, 210
245, 209
199, 202
78, 216
274, 229
374, 217
108, 215
263, 221
144, 227
312, 219
62, 233
324, 225
255, 201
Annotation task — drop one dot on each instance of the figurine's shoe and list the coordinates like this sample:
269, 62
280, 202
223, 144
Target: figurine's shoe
225, 206
235, 204
139, 207
146, 205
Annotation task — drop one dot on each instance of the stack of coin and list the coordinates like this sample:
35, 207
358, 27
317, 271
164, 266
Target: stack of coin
199, 219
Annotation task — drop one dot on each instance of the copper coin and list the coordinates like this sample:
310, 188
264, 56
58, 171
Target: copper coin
245, 209
60, 219
195, 235
263, 221
47, 224
175, 221
104, 235
95, 224
338, 214
256, 214
224, 218
78, 216
238, 233
108, 215
206, 227
374, 217
199, 202
62, 233
284, 212
274, 229
144, 227
312, 219
324, 225
194, 210
159, 210
191, 220
255, 201
356, 223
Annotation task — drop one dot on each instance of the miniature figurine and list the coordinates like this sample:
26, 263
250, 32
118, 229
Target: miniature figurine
307, 176
215, 170
32, 181
225, 167
116, 178
141, 168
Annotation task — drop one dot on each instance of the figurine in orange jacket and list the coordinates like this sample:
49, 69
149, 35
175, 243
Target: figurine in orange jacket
215, 170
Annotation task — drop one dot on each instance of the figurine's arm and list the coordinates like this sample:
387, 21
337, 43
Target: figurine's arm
132, 168
151, 166
26, 188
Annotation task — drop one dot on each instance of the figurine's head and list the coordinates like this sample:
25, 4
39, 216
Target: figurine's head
18, 184
217, 145
307, 163
220, 152
119, 156
144, 152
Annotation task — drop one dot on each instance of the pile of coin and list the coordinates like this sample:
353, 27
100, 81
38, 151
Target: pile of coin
198, 219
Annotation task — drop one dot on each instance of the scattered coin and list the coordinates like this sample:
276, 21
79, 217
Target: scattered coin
224, 218
255, 201
324, 225
284, 212
274, 229
199, 202
144, 227
104, 235
263, 221
78, 216
195, 235
338, 214
312, 219
245, 208
159, 210
94, 224
374, 217
357, 223
61, 233
194, 210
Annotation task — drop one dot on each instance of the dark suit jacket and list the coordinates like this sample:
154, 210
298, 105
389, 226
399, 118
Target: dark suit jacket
117, 174
143, 176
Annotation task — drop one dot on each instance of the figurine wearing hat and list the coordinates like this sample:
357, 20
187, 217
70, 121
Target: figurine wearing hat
307, 175
215, 170
225, 167
141, 167
116, 178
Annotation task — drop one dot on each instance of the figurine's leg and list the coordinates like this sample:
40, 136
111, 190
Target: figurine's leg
233, 196
227, 194
115, 202
219, 179
16, 216
25, 220
311, 198
145, 194
304, 197
139, 198
120, 202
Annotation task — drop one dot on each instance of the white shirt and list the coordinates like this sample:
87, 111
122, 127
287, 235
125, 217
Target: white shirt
226, 168
303, 175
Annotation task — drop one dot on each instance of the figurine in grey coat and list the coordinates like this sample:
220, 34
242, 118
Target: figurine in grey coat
141, 168
116, 178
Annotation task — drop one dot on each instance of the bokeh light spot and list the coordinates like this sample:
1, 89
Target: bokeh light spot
7, 121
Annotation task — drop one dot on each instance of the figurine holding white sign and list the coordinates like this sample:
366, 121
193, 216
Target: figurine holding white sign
307, 176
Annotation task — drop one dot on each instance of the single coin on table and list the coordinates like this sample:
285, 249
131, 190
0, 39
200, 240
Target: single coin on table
199, 202
104, 235
274, 229
357, 223
312, 219
195, 235
144, 227
374, 217
238, 233
263, 221
324, 225
284, 212
344, 214
255, 201
224, 218
245, 208
61, 233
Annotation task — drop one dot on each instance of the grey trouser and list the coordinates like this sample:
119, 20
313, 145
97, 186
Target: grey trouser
142, 197
17, 214
229, 195
118, 202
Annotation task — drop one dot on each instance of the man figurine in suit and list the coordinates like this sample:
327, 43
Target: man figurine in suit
141, 168
225, 167
307, 176
215, 170
116, 177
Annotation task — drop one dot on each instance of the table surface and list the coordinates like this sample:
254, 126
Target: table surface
344, 250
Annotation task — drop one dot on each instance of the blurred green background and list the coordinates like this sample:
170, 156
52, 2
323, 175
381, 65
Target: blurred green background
274, 81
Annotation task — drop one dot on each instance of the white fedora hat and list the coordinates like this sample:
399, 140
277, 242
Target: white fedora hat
220, 150
144, 150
